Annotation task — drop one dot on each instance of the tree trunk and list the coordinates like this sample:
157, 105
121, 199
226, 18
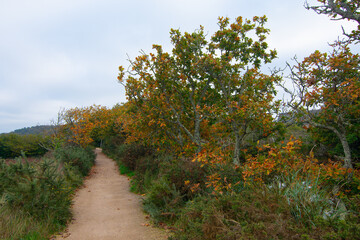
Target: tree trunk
197, 137
341, 134
237, 144
236, 159
347, 152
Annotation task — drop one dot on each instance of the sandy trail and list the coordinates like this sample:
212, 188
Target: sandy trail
105, 209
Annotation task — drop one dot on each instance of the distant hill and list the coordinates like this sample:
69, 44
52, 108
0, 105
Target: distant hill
41, 129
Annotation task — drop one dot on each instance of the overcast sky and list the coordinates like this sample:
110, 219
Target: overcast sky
65, 53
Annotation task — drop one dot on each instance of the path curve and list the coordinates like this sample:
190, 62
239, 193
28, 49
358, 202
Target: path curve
104, 208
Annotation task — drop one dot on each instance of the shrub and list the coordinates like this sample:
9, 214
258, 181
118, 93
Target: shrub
254, 213
37, 188
111, 143
140, 182
184, 173
35, 197
80, 158
131, 153
162, 200
246, 215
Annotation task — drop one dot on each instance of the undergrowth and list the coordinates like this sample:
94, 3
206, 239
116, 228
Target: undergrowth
292, 206
36, 196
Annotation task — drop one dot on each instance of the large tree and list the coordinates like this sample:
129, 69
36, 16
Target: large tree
205, 89
327, 86
327, 93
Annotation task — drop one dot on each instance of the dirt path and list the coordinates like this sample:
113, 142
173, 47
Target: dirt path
105, 209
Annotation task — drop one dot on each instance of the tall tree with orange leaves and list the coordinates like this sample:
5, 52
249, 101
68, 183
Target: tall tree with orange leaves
82, 125
327, 93
206, 92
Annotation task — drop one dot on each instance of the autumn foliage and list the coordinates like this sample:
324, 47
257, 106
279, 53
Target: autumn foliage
206, 93
286, 159
83, 126
201, 121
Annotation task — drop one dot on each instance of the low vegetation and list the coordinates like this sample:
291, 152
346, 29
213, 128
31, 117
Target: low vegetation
289, 205
14, 145
36, 196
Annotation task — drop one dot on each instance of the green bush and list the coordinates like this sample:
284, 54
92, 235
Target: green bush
147, 170
135, 161
80, 158
140, 182
37, 188
72, 175
35, 197
162, 201
111, 143
313, 206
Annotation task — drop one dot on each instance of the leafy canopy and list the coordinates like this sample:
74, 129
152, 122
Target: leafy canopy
205, 92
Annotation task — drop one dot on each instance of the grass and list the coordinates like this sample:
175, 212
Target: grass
14, 223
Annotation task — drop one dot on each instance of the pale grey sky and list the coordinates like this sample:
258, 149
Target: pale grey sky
65, 53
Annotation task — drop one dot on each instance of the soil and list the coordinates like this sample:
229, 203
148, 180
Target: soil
105, 209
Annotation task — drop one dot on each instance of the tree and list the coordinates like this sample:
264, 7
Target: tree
327, 93
340, 9
206, 91
84, 125
246, 94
